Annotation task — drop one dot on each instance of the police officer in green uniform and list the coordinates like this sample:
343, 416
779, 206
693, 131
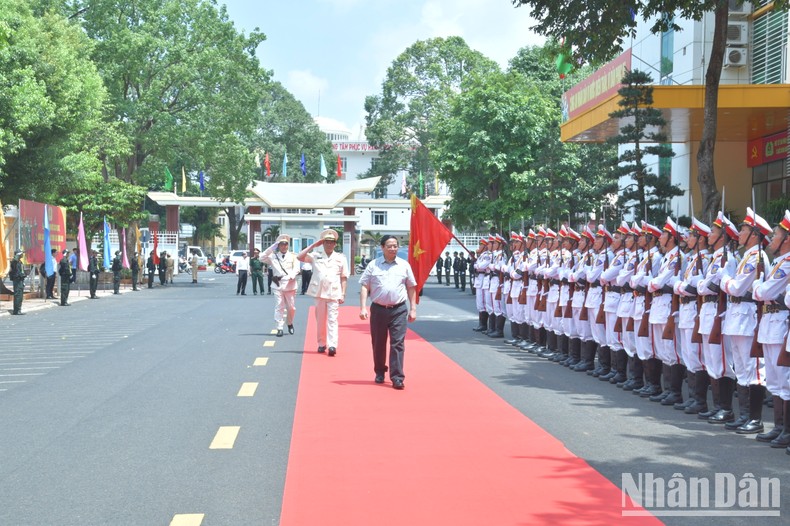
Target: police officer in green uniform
17, 275
256, 268
116, 272
135, 266
93, 271
64, 271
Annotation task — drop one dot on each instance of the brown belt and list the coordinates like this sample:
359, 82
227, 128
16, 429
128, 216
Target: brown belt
710, 299
614, 288
687, 299
741, 299
774, 308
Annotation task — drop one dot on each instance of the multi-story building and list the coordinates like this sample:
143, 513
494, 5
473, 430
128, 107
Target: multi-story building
754, 101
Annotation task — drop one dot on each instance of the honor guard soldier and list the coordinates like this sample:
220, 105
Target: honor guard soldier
496, 315
116, 272
662, 287
17, 275
513, 288
150, 265
645, 271
531, 316
64, 271
740, 325
93, 274
602, 259
625, 311
688, 319
568, 255
611, 302
585, 361
551, 292
525, 328
482, 261
439, 267
773, 332
717, 357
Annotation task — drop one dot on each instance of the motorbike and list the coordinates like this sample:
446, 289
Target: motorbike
224, 268
182, 264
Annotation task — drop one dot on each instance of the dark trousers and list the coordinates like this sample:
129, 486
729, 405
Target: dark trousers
64, 291
241, 285
51, 285
447, 277
150, 279
307, 275
439, 275
19, 294
388, 324
73, 278
135, 276
257, 282
116, 282
462, 276
457, 278
162, 276
270, 275
94, 282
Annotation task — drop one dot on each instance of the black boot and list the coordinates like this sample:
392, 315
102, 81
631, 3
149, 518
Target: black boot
499, 327
482, 321
743, 408
691, 380
663, 373
574, 352
525, 331
715, 394
636, 374
783, 440
587, 355
612, 367
620, 368
596, 372
700, 403
515, 339
653, 368
562, 349
491, 324
725, 414
676, 374
778, 422
755, 422
551, 345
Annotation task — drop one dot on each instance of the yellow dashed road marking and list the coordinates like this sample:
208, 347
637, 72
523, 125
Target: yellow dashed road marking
248, 389
261, 361
268, 343
273, 331
187, 519
225, 437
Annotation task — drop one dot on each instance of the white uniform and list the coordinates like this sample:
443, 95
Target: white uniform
645, 271
717, 357
579, 276
773, 325
285, 268
595, 293
613, 296
690, 353
625, 309
481, 280
669, 273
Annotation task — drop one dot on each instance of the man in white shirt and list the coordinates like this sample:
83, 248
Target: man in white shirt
284, 267
242, 267
328, 287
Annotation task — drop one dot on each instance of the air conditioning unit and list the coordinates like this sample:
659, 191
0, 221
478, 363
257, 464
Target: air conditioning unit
735, 57
740, 8
737, 33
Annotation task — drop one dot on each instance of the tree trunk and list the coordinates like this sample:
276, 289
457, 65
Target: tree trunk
234, 226
705, 171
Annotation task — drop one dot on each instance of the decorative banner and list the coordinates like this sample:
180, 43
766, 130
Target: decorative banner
766, 149
596, 88
31, 229
83, 246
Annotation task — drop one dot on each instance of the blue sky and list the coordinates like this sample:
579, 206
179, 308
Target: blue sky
342, 48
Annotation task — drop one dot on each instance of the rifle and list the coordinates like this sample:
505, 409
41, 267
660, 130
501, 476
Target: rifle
540, 301
600, 318
522, 295
498, 295
757, 347
571, 291
629, 326
583, 315
784, 355
721, 306
669, 328
509, 299
644, 325
696, 337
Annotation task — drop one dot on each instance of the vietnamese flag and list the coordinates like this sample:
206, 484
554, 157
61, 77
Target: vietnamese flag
156, 248
339, 167
268, 166
428, 239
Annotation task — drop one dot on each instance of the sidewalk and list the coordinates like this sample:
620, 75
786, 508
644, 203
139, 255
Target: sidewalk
75, 296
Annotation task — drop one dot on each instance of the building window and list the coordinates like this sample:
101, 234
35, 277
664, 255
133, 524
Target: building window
221, 220
770, 181
379, 218
667, 53
344, 165
769, 40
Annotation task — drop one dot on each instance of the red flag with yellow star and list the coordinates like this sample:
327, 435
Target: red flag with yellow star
428, 239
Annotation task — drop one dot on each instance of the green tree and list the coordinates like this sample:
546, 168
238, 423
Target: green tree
416, 91
650, 192
486, 145
597, 29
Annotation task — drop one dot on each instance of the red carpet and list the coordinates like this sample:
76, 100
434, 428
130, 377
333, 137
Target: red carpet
445, 451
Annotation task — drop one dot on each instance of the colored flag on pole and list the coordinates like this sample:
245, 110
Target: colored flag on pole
324, 173
436, 184
168, 179
404, 190
563, 63
303, 165
82, 246
48, 266
285, 165
421, 189
139, 245
3, 255
427, 240
202, 186
156, 248
268, 166
183, 181
339, 167
124, 259
107, 255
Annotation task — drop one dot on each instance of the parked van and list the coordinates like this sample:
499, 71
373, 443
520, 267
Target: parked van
202, 260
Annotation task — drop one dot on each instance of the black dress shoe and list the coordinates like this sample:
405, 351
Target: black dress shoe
290, 329
279, 333
379, 379
707, 413
397, 383
722, 416
332, 351
735, 424
782, 440
752, 426
65, 304
680, 406
322, 349
672, 398
770, 435
695, 408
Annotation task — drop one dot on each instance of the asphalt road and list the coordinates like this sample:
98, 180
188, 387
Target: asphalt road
109, 409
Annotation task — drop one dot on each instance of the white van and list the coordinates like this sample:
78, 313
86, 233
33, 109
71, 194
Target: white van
202, 260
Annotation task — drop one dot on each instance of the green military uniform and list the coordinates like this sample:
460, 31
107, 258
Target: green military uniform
256, 268
64, 271
93, 271
116, 272
17, 276
135, 266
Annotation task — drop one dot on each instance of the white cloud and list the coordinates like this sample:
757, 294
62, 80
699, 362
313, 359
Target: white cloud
306, 87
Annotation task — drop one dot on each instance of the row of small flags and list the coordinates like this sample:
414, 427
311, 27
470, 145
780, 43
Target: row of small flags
266, 164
